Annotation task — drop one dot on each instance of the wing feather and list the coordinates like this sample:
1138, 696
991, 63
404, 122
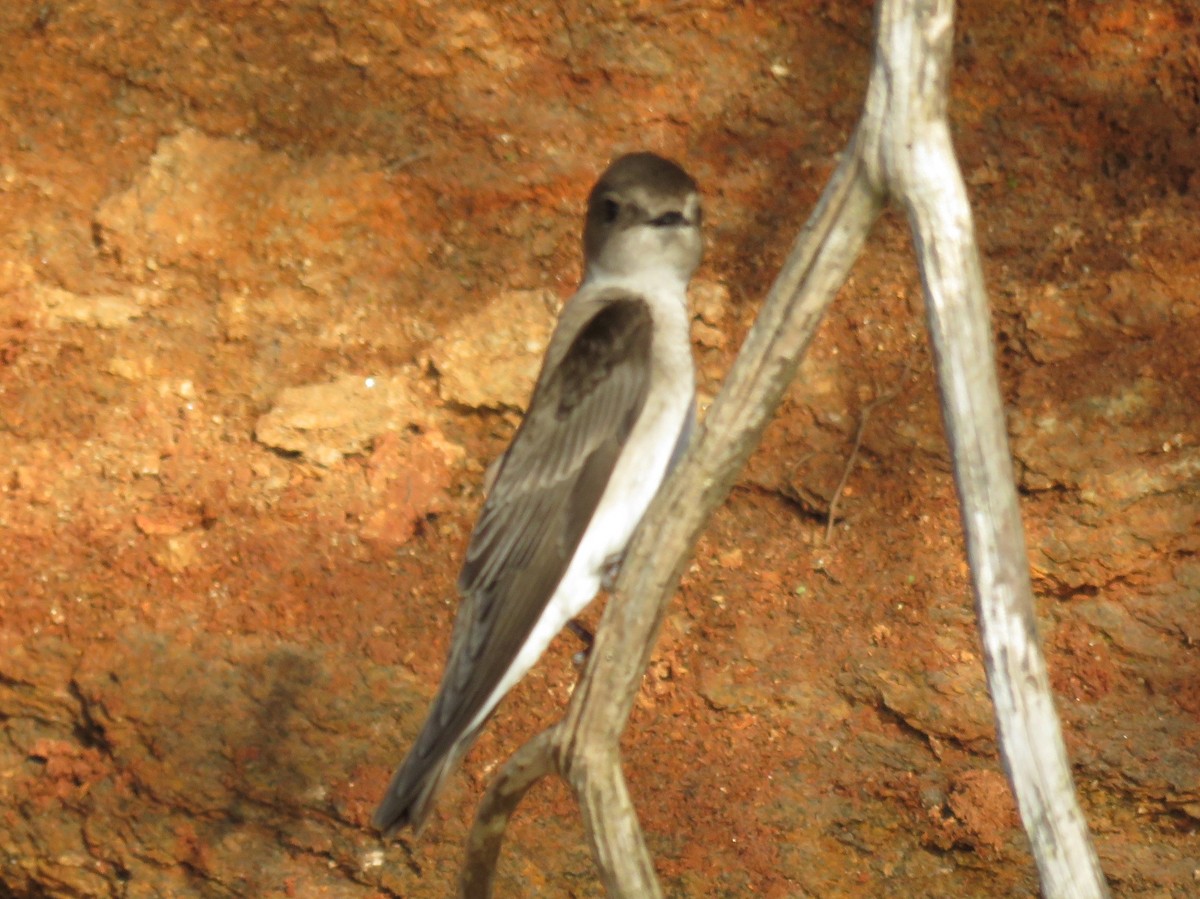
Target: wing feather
545, 492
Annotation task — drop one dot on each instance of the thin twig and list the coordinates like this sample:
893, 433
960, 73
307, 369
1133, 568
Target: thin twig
863, 418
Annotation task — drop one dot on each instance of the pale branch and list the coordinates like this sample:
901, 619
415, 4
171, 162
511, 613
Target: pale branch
611, 823
901, 148
916, 161
528, 765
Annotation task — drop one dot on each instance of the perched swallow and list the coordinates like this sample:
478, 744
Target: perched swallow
612, 410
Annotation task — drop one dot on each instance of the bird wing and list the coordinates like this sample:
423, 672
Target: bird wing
545, 493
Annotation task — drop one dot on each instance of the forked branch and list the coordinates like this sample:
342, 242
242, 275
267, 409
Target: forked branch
900, 149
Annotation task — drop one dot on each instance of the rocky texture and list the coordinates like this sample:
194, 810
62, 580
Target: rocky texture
491, 359
274, 282
325, 422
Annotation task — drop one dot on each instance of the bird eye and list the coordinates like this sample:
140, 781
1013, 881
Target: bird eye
611, 210
668, 220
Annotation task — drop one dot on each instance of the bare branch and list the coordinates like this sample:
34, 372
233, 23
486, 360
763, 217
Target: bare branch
528, 765
610, 820
916, 158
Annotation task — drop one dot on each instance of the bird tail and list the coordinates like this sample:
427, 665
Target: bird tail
414, 786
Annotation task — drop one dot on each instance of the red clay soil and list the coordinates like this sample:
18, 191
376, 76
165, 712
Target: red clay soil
273, 278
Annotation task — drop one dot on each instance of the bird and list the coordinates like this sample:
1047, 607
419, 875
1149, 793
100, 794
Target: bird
612, 410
